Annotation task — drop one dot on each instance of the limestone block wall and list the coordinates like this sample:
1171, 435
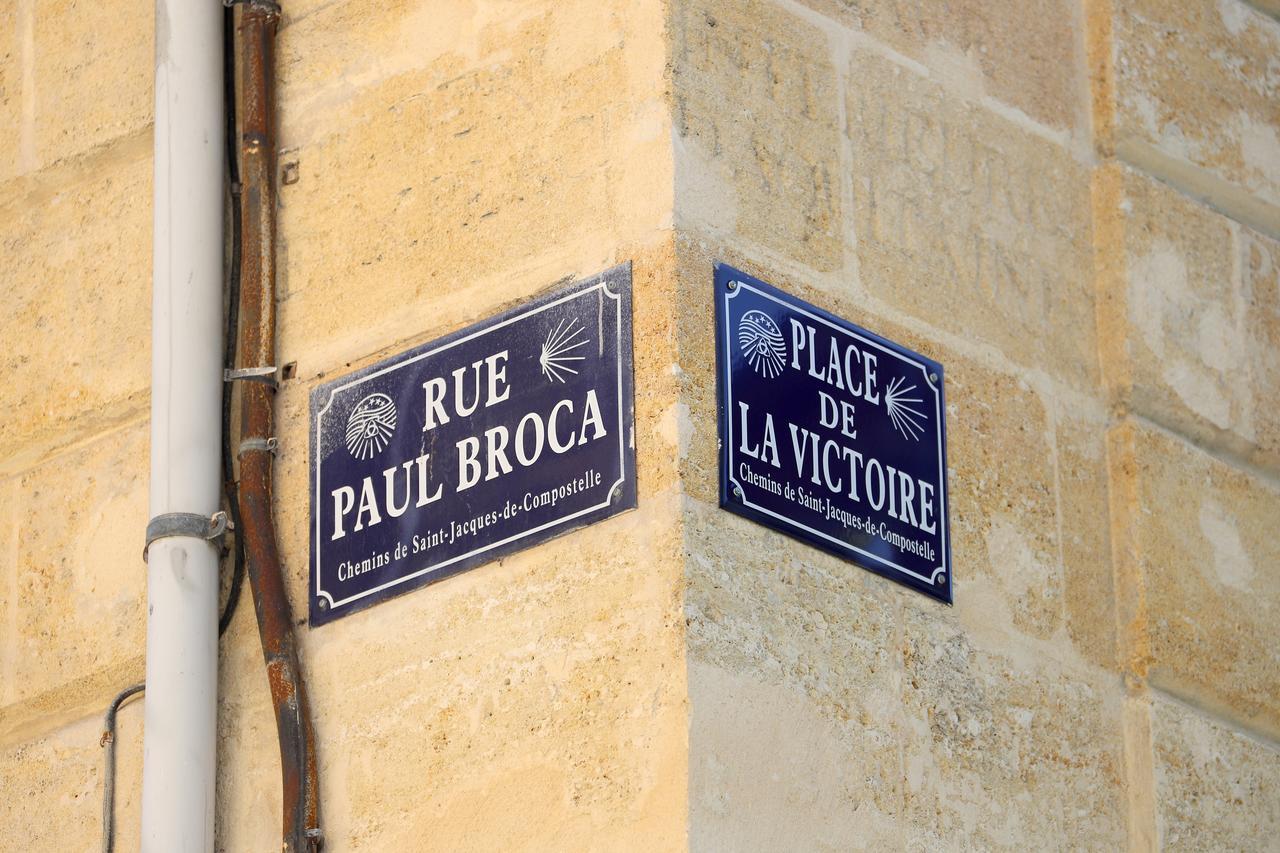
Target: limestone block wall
453, 159
1073, 204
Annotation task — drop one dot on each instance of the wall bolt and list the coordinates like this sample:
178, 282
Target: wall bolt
290, 174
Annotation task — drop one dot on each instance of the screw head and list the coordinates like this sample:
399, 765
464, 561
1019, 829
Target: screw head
733, 285
933, 377
324, 604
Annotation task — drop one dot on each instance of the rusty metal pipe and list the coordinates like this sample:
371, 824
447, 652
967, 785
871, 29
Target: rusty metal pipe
255, 34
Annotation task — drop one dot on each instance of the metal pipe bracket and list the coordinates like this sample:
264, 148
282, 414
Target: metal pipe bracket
191, 524
265, 375
270, 445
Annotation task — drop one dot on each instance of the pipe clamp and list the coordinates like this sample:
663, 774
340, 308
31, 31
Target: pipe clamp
194, 525
270, 445
265, 375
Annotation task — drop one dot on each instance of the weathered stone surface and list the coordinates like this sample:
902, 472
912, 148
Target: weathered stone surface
768, 771
77, 267
81, 587
435, 189
970, 223
1006, 747
757, 135
1197, 81
53, 786
1026, 54
792, 657
554, 715
94, 65
1215, 788
1083, 518
1197, 306
906, 732
11, 57
1260, 288
8, 588
1206, 547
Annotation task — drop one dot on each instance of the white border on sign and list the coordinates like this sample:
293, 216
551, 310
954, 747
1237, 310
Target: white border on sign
738, 287
603, 288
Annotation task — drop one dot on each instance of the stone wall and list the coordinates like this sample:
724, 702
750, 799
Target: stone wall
1074, 205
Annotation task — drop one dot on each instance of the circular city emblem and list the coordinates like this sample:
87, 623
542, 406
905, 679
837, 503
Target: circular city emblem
370, 426
762, 343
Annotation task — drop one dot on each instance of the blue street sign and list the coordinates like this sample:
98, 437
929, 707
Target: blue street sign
831, 434
484, 442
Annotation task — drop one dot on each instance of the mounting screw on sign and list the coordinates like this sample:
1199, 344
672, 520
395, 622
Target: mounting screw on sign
737, 491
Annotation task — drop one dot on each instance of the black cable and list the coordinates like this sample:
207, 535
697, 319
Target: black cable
109, 781
233, 315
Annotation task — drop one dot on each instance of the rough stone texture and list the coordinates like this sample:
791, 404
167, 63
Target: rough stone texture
94, 64
1204, 533
11, 91
78, 298
1217, 789
1006, 747
1197, 81
757, 133
1026, 54
791, 656
73, 557
8, 591
531, 703
1260, 288
968, 222
831, 711
430, 189
1196, 304
53, 786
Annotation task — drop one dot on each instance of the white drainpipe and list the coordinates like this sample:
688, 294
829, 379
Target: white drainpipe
186, 394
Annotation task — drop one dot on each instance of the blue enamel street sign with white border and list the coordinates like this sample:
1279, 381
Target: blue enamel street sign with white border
831, 434
482, 443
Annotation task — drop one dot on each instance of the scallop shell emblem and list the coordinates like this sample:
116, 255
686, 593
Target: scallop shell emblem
370, 426
762, 343
558, 358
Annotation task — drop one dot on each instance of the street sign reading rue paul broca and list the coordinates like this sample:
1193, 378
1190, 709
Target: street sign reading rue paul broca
484, 442
831, 434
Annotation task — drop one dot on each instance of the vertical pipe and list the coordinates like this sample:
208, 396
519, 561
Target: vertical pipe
255, 56
186, 396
